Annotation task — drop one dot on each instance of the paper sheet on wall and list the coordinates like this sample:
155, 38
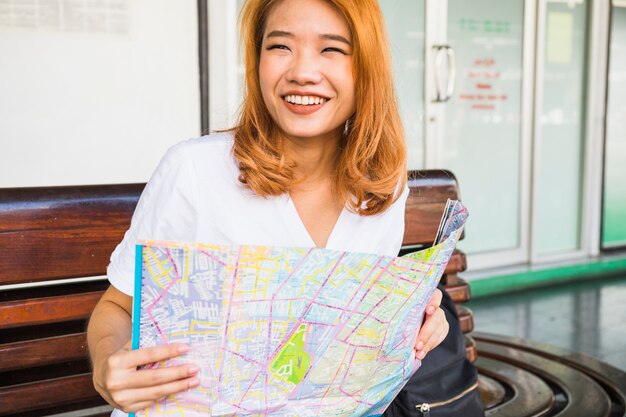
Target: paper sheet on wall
287, 331
560, 38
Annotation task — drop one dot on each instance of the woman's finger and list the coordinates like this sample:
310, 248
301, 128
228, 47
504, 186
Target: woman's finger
159, 376
127, 359
434, 302
438, 335
428, 328
136, 399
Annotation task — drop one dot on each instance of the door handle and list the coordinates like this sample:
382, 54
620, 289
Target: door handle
451, 72
437, 51
440, 51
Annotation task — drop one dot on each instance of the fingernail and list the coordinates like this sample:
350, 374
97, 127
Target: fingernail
194, 382
193, 369
430, 310
183, 348
421, 355
419, 345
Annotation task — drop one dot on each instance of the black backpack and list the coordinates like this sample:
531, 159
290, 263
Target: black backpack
446, 383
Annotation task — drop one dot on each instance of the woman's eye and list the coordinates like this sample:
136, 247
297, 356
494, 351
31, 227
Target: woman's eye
332, 49
277, 46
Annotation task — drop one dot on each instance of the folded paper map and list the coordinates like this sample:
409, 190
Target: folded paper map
287, 331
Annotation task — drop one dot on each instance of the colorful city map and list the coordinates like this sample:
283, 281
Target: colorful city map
286, 331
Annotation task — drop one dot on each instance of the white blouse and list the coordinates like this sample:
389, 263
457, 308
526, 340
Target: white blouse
195, 196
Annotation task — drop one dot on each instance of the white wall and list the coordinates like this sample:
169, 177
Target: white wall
226, 70
94, 91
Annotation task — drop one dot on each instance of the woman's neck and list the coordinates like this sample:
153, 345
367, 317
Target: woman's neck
315, 160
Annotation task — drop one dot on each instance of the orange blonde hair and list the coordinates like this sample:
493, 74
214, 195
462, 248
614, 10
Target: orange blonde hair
370, 173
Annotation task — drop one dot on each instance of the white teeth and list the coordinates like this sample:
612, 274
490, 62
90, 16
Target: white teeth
304, 100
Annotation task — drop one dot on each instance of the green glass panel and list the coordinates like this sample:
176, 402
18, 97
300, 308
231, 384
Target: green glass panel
614, 215
558, 198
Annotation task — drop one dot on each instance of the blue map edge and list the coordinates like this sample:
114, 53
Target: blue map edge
137, 301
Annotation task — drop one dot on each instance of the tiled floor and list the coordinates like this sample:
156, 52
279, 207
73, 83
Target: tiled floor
587, 317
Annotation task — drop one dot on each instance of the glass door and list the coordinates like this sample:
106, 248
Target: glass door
485, 126
464, 81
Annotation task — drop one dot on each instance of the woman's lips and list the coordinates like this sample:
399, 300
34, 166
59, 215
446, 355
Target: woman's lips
302, 108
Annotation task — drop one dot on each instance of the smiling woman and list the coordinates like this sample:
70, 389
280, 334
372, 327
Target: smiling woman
318, 158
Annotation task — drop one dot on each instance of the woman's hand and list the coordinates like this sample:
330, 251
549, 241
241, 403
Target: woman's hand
434, 329
130, 389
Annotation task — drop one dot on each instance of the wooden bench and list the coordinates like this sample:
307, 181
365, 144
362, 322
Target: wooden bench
53, 237
55, 234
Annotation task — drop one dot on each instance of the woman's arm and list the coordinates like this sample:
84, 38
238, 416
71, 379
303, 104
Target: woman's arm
115, 366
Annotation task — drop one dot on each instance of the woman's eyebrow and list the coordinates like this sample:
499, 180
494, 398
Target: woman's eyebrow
334, 37
279, 33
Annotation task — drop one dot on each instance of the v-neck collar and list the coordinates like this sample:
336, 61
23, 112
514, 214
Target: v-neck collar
298, 229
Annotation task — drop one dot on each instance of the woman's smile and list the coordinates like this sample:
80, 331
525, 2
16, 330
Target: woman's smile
304, 103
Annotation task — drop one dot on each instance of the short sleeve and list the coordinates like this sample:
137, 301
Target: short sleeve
167, 210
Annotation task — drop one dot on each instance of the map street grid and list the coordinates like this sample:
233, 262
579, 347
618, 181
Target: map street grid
286, 331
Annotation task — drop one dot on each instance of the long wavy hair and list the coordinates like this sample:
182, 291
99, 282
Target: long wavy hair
370, 172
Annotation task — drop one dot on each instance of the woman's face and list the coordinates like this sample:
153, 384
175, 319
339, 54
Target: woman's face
306, 71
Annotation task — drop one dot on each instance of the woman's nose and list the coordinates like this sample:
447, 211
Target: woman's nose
304, 69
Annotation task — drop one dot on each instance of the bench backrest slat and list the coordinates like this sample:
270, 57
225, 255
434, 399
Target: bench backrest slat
47, 310
62, 232
56, 392
41, 352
